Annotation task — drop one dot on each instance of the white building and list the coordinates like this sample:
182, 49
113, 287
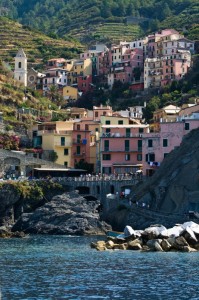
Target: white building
20, 71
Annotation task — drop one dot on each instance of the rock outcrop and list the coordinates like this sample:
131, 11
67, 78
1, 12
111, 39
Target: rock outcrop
9, 196
64, 214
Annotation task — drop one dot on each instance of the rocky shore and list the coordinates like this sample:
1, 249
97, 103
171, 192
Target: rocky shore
184, 238
68, 214
6, 232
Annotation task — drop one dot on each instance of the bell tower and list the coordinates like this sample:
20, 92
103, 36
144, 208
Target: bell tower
20, 72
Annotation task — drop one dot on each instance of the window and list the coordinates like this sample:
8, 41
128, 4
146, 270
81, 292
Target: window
106, 157
150, 143
66, 151
62, 141
127, 145
139, 145
165, 154
186, 126
150, 157
120, 122
79, 138
86, 126
141, 130
96, 129
96, 114
108, 130
127, 156
128, 132
78, 127
108, 122
106, 145
78, 150
165, 142
139, 157
19, 65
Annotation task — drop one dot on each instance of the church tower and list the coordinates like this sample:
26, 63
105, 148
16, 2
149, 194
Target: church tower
20, 72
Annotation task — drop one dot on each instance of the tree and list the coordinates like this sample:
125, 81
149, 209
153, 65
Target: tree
53, 156
84, 165
153, 105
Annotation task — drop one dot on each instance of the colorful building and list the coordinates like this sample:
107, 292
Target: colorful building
156, 146
120, 145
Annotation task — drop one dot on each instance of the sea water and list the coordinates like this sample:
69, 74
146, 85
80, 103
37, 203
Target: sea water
65, 267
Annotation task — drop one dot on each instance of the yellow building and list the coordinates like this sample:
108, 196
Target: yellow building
166, 114
70, 93
78, 67
57, 137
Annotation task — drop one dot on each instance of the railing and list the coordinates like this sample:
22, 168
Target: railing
78, 154
77, 141
88, 177
66, 144
119, 135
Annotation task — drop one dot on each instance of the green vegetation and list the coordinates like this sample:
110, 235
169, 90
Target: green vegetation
38, 47
34, 193
12, 99
90, 20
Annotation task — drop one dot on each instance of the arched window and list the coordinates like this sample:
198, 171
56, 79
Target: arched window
19, 65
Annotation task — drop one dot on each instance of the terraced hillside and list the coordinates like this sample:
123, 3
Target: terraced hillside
107, 32
37, 46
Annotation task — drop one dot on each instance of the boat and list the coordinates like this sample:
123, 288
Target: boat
114, 234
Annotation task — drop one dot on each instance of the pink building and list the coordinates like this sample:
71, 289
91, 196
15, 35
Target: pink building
55, 63
121, 148
99, 111
84, 83
156, 146
81, 143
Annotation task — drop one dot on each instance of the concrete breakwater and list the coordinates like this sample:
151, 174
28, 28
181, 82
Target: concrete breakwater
184, 238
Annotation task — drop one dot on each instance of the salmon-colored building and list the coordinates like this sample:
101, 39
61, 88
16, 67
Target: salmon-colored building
121, 146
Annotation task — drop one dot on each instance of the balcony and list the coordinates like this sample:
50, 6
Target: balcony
79, 154
77, 141
66, 144
53, 131
119, 135
122, 150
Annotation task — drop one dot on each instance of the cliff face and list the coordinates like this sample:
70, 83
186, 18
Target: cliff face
9, 199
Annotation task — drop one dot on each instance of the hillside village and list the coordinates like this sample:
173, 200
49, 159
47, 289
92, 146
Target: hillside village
151, 62
102, 140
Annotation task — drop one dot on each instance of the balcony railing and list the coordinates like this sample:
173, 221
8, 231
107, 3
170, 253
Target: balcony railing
77, 141
79, 154
119, 135
60, 144
134, 150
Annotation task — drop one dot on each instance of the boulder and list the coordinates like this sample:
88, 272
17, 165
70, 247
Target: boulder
154, 245
135, 245
180, 241
110, 244
120, 246
188, 249
166, 246
100, 246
